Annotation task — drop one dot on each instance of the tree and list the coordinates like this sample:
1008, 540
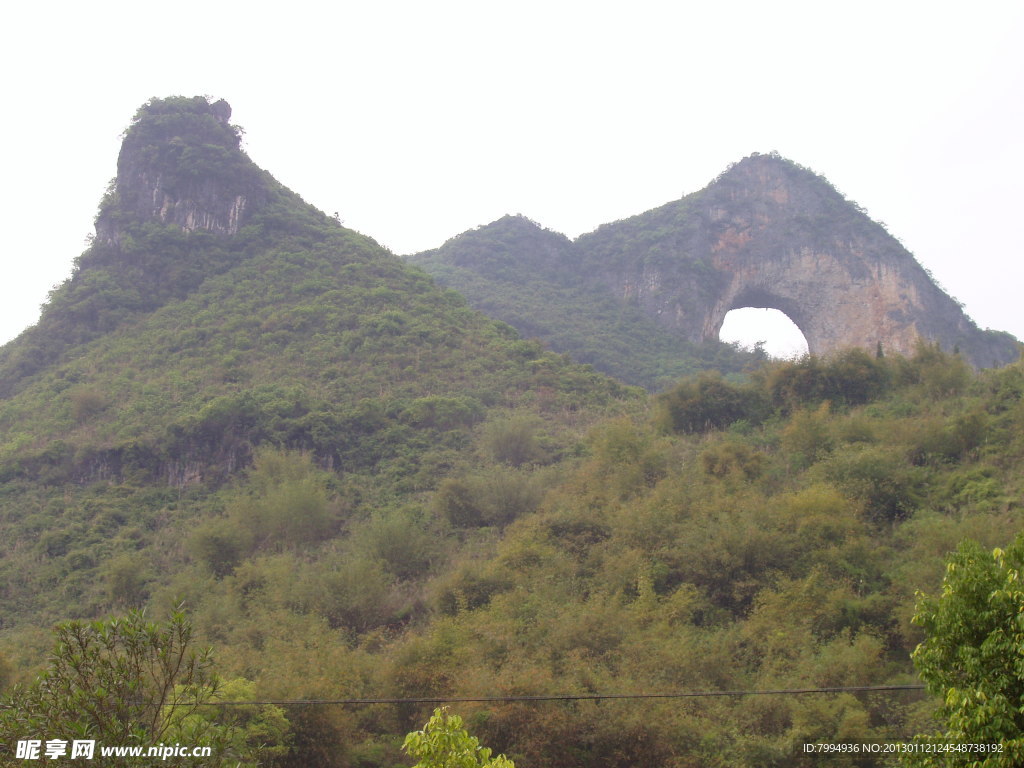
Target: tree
123, 682
973, 657
444, 743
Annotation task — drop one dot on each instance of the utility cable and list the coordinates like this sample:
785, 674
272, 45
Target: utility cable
572, 696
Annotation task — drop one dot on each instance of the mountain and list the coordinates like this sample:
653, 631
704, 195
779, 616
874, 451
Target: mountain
214, 316
766, 233
362, 490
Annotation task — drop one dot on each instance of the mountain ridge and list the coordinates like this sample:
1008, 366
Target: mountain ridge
766, 232
534, 279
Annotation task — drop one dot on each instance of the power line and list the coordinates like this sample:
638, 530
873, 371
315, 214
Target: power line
551, 697
572, 696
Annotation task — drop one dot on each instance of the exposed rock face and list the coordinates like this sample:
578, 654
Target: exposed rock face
768, 233
180, 164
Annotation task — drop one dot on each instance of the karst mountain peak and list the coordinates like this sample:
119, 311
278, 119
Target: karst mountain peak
181, 163
642, 298
767, 232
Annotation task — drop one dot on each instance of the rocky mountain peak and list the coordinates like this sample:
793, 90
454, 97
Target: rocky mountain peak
772, 182
181, 164
768, 233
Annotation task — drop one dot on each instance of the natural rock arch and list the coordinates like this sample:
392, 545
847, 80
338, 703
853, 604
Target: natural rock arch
769, 233
761, 322
766, 327
832, 308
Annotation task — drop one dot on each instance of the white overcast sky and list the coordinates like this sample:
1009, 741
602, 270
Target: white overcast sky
416, 121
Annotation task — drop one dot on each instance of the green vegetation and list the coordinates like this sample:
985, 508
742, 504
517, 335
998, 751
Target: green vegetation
971, 657
131, 683
361, 488
132, 412
775, 545
535, 280
779, 549
444, 743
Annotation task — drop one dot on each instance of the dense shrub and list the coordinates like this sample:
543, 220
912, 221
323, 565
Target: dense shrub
514, 440
709, 402
851, 377
879, 477
732, 460
493, 496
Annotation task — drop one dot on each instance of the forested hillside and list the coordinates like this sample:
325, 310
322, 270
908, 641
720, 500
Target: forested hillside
360, 488
756, 537
178, 352
538, 282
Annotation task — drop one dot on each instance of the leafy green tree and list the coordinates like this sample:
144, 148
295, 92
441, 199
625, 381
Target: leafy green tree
444, 743
126, 581
123, 682
284, 503
494, 496
973, 657
254, 730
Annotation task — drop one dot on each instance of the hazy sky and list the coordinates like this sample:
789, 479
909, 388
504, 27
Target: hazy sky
416, 121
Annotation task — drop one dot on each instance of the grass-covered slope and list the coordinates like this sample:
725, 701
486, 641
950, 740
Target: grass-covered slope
538, 282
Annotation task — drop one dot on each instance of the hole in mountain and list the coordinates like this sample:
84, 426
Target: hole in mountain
749, 326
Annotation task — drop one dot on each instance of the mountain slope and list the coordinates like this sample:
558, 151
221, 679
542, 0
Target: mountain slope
536, 281
215, 314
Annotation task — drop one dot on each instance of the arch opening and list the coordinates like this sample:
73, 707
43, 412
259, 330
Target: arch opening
749, 326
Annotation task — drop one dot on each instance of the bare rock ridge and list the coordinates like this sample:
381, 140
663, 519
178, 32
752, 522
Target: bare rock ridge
770, 233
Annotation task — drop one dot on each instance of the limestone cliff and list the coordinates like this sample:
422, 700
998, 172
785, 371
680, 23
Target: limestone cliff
180, 164
768, 233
